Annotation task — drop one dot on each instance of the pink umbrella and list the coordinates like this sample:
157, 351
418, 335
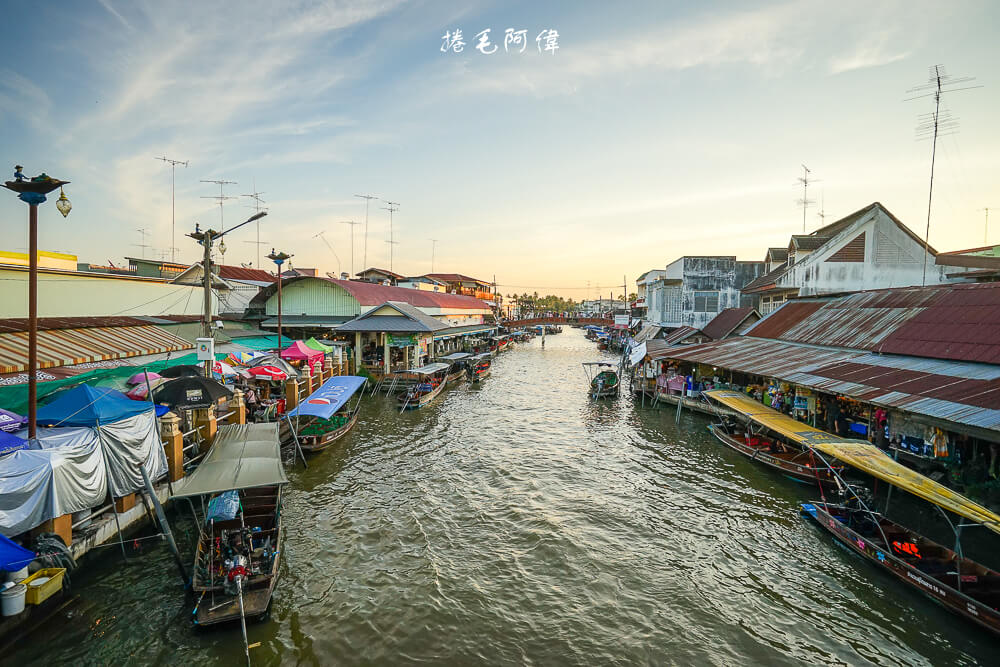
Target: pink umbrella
140, 378
139, 392
268, 372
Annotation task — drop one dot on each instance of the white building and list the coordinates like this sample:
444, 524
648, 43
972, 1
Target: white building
691, 291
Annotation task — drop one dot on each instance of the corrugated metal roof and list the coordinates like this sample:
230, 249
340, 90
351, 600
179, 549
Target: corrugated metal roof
371, 294
64, 347
781, 320
227, 272
726, 322
767, 280
679, 334
13, 324
808, 241
410, 320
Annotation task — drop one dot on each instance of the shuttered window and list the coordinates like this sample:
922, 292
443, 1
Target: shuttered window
706, 302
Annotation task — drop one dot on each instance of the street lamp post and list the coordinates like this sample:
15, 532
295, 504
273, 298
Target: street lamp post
279, 258
32, 192
206, 238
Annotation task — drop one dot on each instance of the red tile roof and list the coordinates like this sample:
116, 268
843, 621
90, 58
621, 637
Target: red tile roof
726, 322
239, 273
372, 294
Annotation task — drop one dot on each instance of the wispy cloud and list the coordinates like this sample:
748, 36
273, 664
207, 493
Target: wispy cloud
875, 50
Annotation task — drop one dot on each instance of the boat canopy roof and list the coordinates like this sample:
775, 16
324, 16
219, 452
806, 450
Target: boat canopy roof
482, 356
325, 401
243, 456
598, 363
860, 455
456, 356
429, 369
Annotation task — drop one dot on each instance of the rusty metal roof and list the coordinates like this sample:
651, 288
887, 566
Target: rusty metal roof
227, 272
781, 320
64, 347
726, 322
766, 281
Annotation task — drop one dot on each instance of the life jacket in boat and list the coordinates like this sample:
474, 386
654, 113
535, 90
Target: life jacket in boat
906, 549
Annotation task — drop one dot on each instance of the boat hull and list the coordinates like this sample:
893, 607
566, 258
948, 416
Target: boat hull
421, 400
800, 472
318, 443
873, 550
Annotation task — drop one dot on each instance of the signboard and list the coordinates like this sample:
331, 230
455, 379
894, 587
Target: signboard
206, 349
402, 341
621, 321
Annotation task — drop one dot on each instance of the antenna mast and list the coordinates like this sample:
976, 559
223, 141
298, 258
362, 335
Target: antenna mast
986, 229
367, 199
221, 198
934, 125
353, 225
143, 233
173, 169
392, 207
257, 201
805, 201
433, 246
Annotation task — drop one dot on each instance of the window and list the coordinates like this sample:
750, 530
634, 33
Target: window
706, 302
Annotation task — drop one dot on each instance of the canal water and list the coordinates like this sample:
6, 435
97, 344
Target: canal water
521, 523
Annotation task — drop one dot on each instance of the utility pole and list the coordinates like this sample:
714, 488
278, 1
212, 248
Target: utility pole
173, 170
433, 245
392, 207
142, 245
221, 198
279, 258
805, 201
367, 199
935, 125
986, 229
257, 201
353, 225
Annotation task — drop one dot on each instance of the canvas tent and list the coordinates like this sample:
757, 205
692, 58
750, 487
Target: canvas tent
299, 351
314, 344
104, 440
242, 456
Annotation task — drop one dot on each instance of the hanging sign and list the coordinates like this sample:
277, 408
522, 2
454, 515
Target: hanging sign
402, 341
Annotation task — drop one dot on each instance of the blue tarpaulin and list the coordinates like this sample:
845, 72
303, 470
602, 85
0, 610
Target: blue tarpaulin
85, 405
329, 398
13, 557
11, 443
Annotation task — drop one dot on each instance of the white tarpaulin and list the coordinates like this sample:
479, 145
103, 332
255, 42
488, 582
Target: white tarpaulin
40, 484
241, 457
68, 469
636, 354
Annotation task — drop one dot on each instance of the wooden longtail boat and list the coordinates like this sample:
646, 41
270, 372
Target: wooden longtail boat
239, 547
432, 381
603, 379
945, 575
770, 438
480, 366
325, 416
458, 366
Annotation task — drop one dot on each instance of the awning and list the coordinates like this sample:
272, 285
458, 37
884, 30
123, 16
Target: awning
307, 321
63, 347
456, 356
468, 330
262, 343
429, 369
648, 332
242, 456
325, 401
316, 345
637, 353
796, 431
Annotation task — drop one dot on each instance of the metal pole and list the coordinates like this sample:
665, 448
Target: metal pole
164, 526
173, 211
279, 306
32, 317
207, 270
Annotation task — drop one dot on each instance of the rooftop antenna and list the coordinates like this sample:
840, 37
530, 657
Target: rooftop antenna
221, 198
392, 207
320, 235
173, 169
433, 246
143, 233
986, 229
805, 201
353, 225
367, 199
933, 125
257, 201
822, 209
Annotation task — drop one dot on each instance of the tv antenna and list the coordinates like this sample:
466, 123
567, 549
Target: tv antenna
257, 201
353, 225
986, 229
367, 199
221, 198
805, 201
392, 207
433, 246
822, 209
320, 235
173, 170
142, 245
936, 124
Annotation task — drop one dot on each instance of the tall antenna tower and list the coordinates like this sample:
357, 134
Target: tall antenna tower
353, 225
142, 245
933, 125
173, 170
986, 229
367, 199
433, 246
392, 207
257, 201
805, 201
221, 198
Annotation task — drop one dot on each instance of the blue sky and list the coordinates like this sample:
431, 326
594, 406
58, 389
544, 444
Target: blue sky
656, 130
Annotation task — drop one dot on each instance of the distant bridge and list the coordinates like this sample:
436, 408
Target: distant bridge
598, 321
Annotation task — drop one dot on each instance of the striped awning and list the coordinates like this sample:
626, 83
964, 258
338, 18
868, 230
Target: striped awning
64, 347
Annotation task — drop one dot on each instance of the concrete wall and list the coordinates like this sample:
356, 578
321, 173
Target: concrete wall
721, 276
74, 294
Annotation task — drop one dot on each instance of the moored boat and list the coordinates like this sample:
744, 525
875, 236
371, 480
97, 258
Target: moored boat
603, 378
431, 381
945, 575
325, 416
480, 366
458, 365
770, 438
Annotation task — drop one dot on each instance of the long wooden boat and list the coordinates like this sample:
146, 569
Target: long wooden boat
959, 584
793, 462
248, 546
317, 436
480, 367
459, 369
433, 380
603, 379
324, 416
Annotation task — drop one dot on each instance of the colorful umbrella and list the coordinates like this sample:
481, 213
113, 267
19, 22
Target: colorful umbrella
140, 391
140, 378
269, 373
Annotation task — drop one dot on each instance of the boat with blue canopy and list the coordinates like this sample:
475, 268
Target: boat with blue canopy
325, 416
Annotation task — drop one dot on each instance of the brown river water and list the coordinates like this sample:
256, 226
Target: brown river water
521, 523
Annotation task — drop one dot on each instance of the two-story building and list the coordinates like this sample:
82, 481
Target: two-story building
869, 249
691, 291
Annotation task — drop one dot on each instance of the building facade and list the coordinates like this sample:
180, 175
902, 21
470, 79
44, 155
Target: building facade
691, 291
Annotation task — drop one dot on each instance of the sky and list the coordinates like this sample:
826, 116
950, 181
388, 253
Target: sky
654, 130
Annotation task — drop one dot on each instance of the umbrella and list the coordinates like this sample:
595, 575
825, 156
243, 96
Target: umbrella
140, 378
10, 421
223, 369
276, 361
190, 392
11, 443
183, 370
140, 392
268, 373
